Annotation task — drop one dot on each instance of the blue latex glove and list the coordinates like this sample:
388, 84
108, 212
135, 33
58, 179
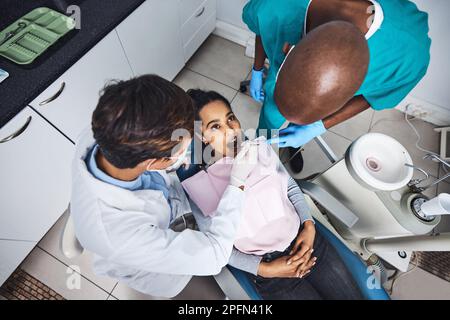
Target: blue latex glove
296, 135
256, 85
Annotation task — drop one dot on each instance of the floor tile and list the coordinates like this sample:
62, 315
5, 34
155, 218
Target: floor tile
188, 79
355, 127
199, 288
51, 244
444, 187
431, 192
420, 285
315, 160
444, 171
221, 60
392, 123
123, 292
246, 110
57, 276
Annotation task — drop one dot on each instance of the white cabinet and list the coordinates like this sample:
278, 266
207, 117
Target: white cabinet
188, 8
151, 39
198, 20
35, 159
35, 184
11, 255
76, 92
35, 177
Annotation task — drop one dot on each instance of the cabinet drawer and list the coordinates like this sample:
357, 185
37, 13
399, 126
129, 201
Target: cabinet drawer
199, 37
188, 8
76, 92
191, 27
35, 177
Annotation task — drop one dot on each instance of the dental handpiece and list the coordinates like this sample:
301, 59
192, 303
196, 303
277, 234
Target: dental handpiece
251, 142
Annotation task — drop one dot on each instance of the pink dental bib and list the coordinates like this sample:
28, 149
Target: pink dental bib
269, 221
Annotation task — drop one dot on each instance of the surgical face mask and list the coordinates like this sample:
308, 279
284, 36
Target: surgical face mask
174, 166
177, 164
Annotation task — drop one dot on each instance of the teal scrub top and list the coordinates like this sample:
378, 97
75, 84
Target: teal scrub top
399, 49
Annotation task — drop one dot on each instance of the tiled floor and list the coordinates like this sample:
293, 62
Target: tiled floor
418, 284
220, 65
22, 286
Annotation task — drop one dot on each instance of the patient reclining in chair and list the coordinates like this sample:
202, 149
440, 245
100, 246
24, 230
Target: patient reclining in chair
276, 243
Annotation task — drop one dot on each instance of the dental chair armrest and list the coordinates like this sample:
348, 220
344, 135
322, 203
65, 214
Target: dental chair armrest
69, 244
330, 203
230, 285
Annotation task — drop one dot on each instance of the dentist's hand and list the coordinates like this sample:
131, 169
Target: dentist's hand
256, 85
298, 135
244, 162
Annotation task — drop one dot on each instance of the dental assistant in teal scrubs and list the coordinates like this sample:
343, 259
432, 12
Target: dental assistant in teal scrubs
399, 54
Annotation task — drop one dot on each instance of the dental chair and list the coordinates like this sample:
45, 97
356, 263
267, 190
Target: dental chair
375, 204
365, 276
69, 244
353, 263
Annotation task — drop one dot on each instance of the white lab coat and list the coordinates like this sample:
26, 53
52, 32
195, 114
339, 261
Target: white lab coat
128, 231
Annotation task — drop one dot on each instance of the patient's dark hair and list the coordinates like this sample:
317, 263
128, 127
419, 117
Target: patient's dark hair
201, 98
134, 120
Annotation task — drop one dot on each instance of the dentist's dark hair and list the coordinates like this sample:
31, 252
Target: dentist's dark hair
134, 120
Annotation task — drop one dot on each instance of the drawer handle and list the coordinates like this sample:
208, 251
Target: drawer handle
18, 132
55, 96
200, 13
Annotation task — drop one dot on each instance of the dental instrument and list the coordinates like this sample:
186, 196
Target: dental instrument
10, 34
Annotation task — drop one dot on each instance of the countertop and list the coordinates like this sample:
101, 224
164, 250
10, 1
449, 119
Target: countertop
25, 83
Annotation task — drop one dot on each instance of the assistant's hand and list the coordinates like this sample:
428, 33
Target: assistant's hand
303, 247
298, 135
244, 162
256, 85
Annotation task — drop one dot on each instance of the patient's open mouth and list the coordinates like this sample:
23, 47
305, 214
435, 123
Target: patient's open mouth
233, 146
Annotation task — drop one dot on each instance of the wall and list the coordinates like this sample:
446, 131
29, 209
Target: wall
230, 11
435, 86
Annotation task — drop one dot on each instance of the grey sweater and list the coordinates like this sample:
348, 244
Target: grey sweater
249, 262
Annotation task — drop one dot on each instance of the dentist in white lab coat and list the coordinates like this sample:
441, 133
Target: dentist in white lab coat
123, 201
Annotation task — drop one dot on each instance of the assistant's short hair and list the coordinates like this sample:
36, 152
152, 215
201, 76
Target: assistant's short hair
134, 120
